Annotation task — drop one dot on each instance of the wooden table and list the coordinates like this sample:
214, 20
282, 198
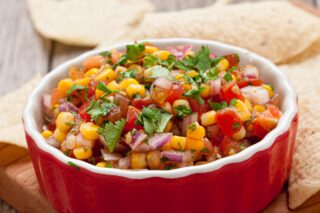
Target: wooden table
25, 53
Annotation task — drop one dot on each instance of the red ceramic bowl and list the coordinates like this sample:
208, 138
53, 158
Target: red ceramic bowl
246, 182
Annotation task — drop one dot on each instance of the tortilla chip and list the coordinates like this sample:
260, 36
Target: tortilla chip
85, 22
277, 30
304, 179
12, 105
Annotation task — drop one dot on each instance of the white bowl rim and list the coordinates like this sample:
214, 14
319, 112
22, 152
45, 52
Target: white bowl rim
269, 140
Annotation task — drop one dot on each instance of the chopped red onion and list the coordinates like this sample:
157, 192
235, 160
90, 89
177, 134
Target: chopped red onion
137, 138
107, 156
250, 72
143, 147
52, 142
124, 163
179, 51
67, 107
163, 83
215, 86
186, 121
46, 99
257, 95
123, 103
159, 140
173, 155
80, 140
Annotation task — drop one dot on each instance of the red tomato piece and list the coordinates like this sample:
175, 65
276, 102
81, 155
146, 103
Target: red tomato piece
255, 82
229, 147
259, 131
274, 111
233, 60
242, 83
231, 90
228, 122
83, 112
92, 88
132, 117
175, 93
140, 103
196, 107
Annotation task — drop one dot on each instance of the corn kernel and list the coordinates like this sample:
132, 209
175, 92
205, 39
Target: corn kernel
234, 78
168, 127
89, 131
162, 54
102, 164
153, 159
269, 89
192, 73
187, 86
208, 118
150, 49
240, 134
106, 75
166, 146
242, 110
46, 133
195, 131
82, 153
180, 76
82, 81
223, 65
98, 93
206, 92
59, 135
136, 89
180, 102
259, 108
178, 142
92, 72
126, 82
138, 160
167, 107
248, 104
194, 144
64, 121
64, 85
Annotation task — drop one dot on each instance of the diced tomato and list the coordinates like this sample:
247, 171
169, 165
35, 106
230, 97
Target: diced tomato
92, 88
274, 111
132, 117
214, 134
159, 95
140, 103
196, 107
175, 93
259, 131
229, 147
93, 62
233, 60
231, 90
55, 97
242, 83
255, 82
83, 112
228, 121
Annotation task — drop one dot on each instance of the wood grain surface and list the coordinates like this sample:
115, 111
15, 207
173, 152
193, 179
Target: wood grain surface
25, 53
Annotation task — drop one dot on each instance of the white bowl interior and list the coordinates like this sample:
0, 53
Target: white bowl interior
33, 114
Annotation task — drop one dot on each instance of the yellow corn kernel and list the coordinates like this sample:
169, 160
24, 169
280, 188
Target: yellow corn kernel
192, 73
208, 118
166, 146
92, 72
113, 85
240, 134
46, 133
126, 82
136, 89
162, 54
194, 144
106, 75
102, 164
242, 110
178, 142
259, 108
223, 65
82, 81
168, 127
187, 86
195, 131
89, 131
269, 89
248, 104
153, 159
234, 78
180, 76
167, 107
150, 49
206, 92
59, 135
138, 160
82, 153
64, 121
180, 102
98, 93
64, 85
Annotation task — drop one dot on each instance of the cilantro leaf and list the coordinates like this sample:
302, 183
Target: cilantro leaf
98, 108
154, 120
236, 125
150, 61
233, 102
74, 87
101, 86
159, 71
217, 106
105, 53
195, 94
182, 111
216, 60
112, 132
134, 51
203, 59
74, 165
211, 74
227, 77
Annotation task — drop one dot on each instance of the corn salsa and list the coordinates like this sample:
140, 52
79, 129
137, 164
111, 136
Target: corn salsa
158, 108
